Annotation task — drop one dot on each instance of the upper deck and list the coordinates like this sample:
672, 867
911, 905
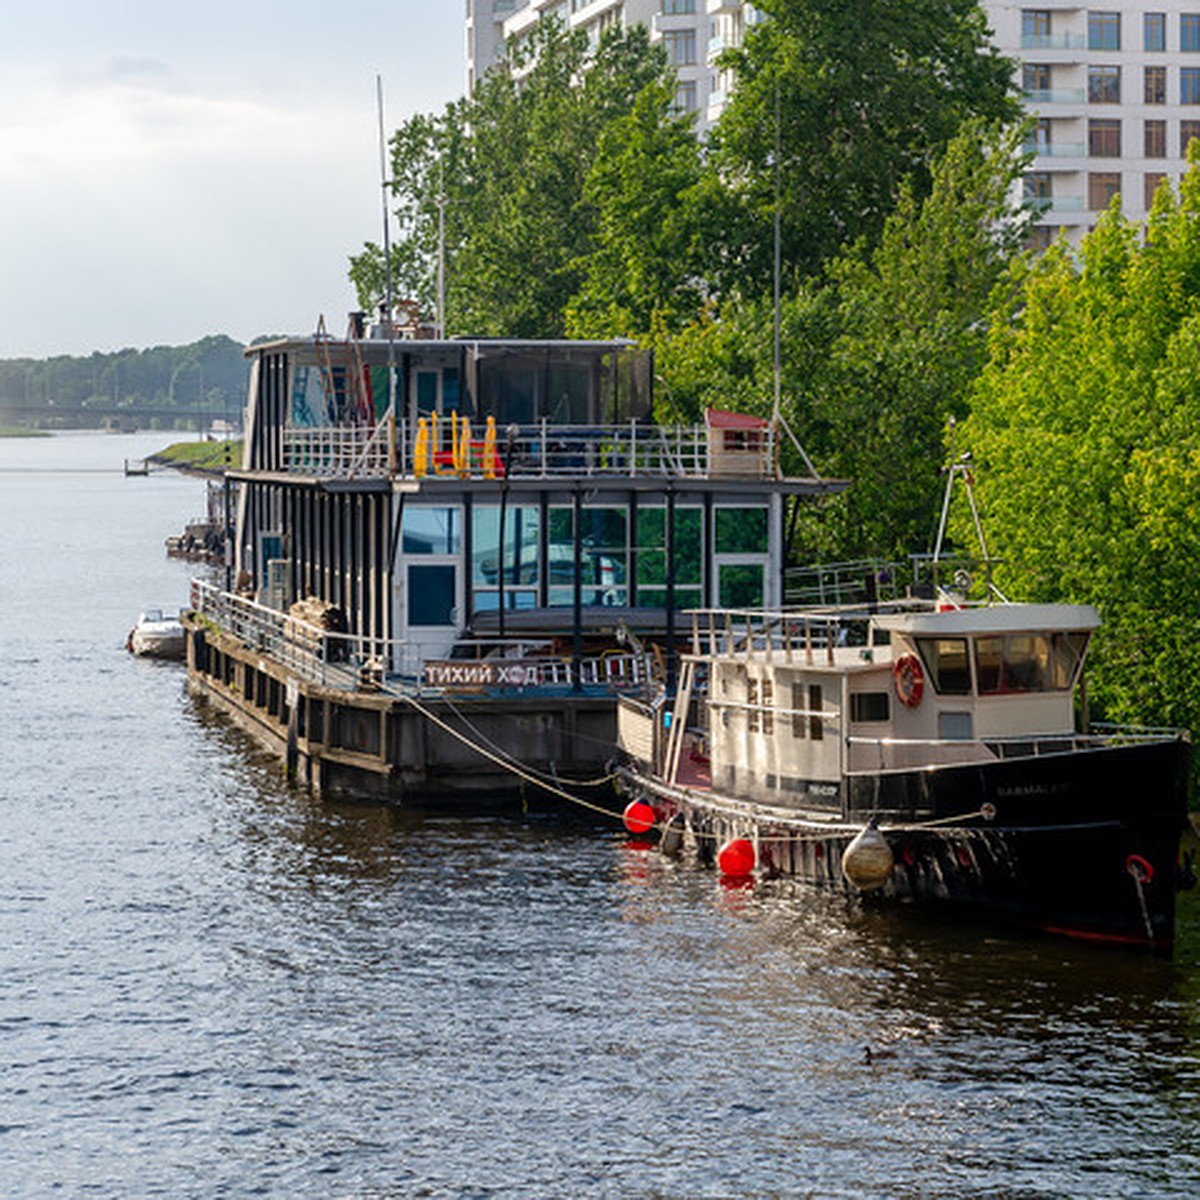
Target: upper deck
368, 409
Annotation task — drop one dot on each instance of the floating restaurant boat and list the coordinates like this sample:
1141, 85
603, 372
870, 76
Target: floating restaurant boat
920, 750
452, 555
156, 635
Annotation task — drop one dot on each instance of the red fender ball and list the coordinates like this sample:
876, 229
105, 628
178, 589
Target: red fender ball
638, 817
736, 858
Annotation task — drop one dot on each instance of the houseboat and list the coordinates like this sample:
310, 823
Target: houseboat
453, 554
923, 750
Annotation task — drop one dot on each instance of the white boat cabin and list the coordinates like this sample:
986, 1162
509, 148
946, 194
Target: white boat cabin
796, 702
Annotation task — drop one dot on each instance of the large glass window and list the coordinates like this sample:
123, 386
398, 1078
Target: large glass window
678, 7
741, 531
1189, 31
1154, 142
946, 664
1189, 85
650, 542
1102, 187
1035, 80
520, 554
1035, 26
1154, 90
1187, 131
1104, 31
1151, 182
1104, 85
1104, 138
680, 45
603, 556
1154, 31
428, 530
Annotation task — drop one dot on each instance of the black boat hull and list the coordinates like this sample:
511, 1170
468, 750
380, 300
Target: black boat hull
1083, 844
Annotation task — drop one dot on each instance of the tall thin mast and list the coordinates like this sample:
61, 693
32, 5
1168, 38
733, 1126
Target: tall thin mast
387, 277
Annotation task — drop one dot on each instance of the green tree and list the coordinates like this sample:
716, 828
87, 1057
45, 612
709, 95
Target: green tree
503, 175
1084, 424
850, 97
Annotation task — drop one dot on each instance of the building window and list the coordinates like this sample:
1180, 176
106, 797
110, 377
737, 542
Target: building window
1187, 131
1150, 183
1155, 85
1040, 237
1154, 31
1102, 187
1035, 23
1035, 79
1104, 138
680, 45
1104, 31
1039, 186
1041, 136
1189, 85
685, 96
1154, 142
1189, 31
678, 8
1104, 85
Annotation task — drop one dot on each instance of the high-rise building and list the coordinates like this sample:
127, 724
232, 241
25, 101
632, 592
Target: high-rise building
1114, 91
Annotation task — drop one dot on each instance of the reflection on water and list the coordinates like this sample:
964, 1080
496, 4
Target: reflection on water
214, 984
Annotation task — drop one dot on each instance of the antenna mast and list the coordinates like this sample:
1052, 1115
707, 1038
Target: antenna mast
385, 185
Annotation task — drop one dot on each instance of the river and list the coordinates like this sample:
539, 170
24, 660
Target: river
214, 984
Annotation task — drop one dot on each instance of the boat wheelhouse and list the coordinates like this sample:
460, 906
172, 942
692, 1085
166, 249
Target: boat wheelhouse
923, 750
491, 524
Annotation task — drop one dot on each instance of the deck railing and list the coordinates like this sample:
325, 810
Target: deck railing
542, 450
349, 661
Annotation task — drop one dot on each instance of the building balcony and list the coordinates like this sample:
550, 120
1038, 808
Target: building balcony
1054, 41
1056, 96
1056, 149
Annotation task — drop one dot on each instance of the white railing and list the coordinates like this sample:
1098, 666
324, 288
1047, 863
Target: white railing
544, 450
352, 662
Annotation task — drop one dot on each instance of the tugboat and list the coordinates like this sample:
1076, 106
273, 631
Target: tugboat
920, 750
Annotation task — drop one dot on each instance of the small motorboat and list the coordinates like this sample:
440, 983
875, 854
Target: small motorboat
156, 635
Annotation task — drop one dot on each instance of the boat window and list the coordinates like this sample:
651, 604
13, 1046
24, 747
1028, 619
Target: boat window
650, 544
1022, 662
955, 727
799, 715
870, 706
946, 665
1068, 650
603, 554
521, 526
816, 705
741, 530
740, 585
431, 530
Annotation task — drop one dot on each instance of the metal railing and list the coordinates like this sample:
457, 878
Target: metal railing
349, 661
543, 450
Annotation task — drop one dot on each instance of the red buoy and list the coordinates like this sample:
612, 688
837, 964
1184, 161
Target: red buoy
638, 816
736, 858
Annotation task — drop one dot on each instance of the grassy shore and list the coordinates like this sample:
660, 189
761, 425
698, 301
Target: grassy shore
203, 457
15, 431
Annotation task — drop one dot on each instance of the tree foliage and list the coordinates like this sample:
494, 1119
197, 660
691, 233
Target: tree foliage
503, 176
1086, 426
852, 97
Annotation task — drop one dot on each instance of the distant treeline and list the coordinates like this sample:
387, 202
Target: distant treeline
166, 386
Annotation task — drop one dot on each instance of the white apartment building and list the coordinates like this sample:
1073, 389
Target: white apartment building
1115, 91
693, 32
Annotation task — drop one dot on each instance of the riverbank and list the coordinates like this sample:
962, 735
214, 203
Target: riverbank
206, 459
21, 431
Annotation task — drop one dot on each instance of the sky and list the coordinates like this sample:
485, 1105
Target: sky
172, 169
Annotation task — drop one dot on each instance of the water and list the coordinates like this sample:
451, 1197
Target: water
214, 985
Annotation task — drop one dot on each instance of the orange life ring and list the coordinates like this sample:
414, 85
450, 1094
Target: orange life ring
909, 680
